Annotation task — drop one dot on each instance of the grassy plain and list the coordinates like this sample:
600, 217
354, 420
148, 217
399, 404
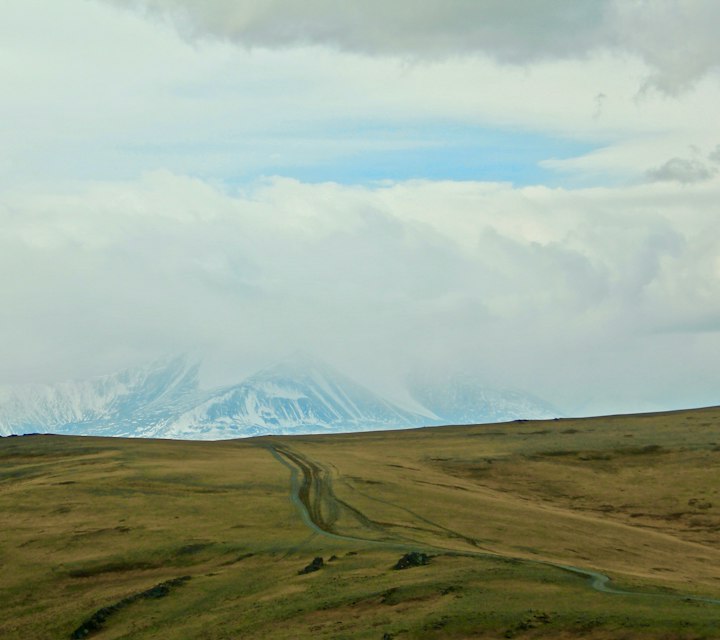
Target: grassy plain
87, 523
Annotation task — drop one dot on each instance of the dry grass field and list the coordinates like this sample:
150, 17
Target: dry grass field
523, 524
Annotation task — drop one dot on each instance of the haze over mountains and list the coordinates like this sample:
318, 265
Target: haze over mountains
297, 395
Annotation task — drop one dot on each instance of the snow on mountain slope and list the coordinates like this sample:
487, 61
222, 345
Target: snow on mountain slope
461, 399
298, 395
108, 405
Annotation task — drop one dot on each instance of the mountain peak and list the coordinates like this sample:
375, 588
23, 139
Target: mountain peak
298, 394
462, 398
298, 364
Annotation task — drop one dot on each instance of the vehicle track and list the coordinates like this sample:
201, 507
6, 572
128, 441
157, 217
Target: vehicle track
436, 528
320, 510
317, 503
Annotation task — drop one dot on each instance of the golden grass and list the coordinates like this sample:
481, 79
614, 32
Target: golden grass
88, 522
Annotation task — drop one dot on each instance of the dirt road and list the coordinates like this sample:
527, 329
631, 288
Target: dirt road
311, 491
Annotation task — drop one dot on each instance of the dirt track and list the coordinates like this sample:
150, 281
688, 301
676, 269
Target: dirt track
312, 493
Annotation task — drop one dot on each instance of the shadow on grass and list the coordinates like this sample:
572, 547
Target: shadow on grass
97, 620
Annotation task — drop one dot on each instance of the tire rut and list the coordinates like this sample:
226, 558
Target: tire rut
320, 509
437, 528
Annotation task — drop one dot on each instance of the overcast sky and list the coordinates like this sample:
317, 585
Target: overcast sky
526, 190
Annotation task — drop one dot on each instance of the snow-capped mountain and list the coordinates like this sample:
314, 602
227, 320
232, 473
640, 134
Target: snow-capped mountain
108, 405
458, 399
298, 395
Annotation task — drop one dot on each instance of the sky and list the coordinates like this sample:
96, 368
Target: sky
527, 192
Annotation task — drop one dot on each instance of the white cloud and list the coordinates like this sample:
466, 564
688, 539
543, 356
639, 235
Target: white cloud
562, 292
94, 92
124, 233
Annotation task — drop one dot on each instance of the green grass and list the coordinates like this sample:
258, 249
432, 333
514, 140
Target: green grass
88, 523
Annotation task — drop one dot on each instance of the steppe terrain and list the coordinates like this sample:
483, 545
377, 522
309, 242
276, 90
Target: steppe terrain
590, 528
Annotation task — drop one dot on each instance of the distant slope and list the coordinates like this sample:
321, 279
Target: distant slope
109, 405
297, 395
464, 400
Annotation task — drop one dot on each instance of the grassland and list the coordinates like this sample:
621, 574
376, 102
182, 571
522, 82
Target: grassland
521, 521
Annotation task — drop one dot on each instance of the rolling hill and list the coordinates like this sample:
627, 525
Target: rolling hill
540, 529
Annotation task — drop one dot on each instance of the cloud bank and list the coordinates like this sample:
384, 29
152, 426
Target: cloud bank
464, 186
95, 92
575, 295
676, 38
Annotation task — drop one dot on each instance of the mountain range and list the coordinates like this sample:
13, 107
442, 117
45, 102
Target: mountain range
297, 395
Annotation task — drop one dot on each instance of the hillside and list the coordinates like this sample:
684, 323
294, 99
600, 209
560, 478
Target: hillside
594, 528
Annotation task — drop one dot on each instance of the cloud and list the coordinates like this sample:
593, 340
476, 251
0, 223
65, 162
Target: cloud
429, 29
565, 293
224, 112
682, 170
135, 218
714, 155
675, 38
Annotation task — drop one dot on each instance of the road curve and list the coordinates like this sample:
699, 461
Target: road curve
320, 509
